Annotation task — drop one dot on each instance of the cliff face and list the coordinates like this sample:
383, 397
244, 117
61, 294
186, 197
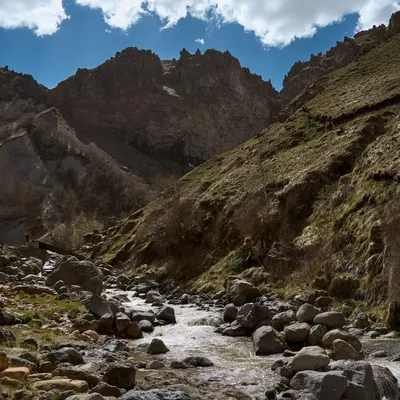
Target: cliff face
184, 111
305, 74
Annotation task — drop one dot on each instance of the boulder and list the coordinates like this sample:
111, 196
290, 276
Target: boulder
153, 296
65, 354
93, 396
146, 326
22, 362
115, 346
62, 385
83, 325
297, 332
74, 272
243, 288
331, 336
309, 358
133, 331
105, 389
307, 313
157, 346
16, 373
317, 332
251, 315
99, 306
324, 385
361, 384
279, 321
234, 330
121, 322
344, 351
230, 313
332, 319
107, 322
35, 289
121, 376
167, 314
137, 316
266, 340
386, 382
155, 364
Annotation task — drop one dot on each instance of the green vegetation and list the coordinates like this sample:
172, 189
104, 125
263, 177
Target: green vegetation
302, 195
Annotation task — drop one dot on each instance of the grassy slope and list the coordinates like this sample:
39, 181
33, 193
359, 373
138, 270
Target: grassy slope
305, 183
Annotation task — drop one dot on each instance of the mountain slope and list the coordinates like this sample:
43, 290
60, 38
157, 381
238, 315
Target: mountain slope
307, 198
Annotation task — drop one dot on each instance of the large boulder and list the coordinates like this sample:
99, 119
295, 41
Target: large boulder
99, 306
324, 385
297, 332
331, 336
307, 313
74, 272
121, 376
344, 351
386, 382
157, 346
153, 296
251, 315
309, 358
65, 355
361, 384
137, 316
243, 289
121, 322
266, 340
332, 319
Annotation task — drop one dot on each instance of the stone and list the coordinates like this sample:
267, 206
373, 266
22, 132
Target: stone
155, 364
178, 365
343, 287
166, 314
99, 306
266, 340
77, 374
243, 288
121, 322
114, 346
8, 319
46, 367
62, 385
387, 384
153, 296
235, 330
317, 332
133, 331
146, 326
324, 385
309, 358
121, 376
155, 394
307, 313
105, 389
252, 315
83, 325
344, 351
323, 301
331, 336
65, 354
229, 314
198, 361
157, 346
74, 272
3, 361
297, 332
362, 321
280, 320
16, 373
107, 322
332, 319
22, 362
137, 316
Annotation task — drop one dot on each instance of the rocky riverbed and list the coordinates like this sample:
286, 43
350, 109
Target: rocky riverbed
73, 330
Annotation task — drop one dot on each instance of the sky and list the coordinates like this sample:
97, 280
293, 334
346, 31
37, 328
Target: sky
51, 39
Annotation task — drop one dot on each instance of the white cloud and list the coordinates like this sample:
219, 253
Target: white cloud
200, 41
108, 30
274, 22
42, 16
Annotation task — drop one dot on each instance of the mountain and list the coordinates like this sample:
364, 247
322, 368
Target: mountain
184, 111
310, 200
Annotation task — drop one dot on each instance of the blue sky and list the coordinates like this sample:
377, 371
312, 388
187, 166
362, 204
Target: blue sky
87, 38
